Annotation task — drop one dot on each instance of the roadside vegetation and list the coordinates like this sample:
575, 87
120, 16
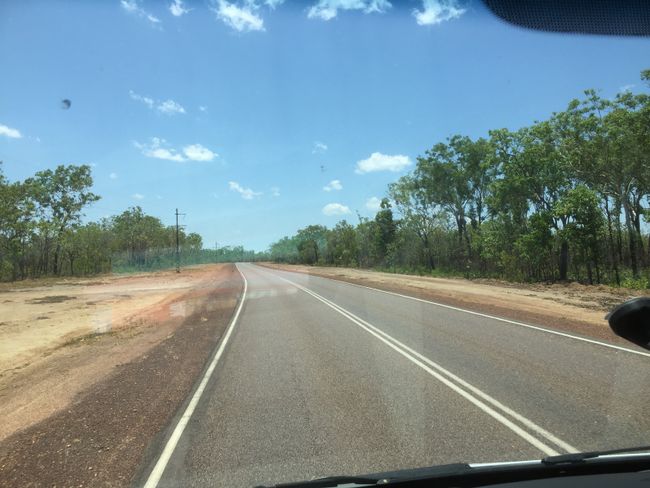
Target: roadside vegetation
42, 232
566, 198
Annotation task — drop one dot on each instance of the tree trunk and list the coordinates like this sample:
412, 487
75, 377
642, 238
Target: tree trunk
638, 210
619, 232
590, 275
469, 246
612, 245
564, 260
46, 255
55, 265
427, 248
631, 231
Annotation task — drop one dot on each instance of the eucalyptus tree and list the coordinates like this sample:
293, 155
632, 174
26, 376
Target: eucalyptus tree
60, 196
417, 212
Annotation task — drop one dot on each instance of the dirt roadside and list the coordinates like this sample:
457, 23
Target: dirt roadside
84, 410
39, 315
570, 307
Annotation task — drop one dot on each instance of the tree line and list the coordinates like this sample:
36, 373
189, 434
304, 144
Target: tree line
563, 199
42, 232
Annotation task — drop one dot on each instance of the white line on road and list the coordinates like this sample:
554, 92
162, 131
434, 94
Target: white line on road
167, 452
448, 378
493, 317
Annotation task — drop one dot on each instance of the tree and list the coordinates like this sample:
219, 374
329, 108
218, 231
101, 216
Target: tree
534, 247
534, 175
384, 230
139, 234
367, 240
61, 196
16, 224
584, 226
455, 176
311, 241
341, 245
285, 250
418, 213
441, 175
586, 147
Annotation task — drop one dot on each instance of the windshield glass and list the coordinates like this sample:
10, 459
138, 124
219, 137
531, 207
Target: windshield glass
258, 241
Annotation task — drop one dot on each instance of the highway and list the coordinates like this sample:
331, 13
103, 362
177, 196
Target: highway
317, 377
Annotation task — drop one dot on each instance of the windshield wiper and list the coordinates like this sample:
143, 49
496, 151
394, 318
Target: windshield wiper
480, 475
332, 481
579, 457
381, 479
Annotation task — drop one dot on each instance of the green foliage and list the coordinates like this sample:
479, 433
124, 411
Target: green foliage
341, 245
311, 243
642, 283
41, 233
566, 198
285, 250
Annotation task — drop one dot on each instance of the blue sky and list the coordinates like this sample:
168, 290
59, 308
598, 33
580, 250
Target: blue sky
256, 118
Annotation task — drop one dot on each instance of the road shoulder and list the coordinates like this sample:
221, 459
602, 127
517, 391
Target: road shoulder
101, 436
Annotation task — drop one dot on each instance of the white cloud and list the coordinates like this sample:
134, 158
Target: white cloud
140, 98
246, 193
373, 203
9, 132
382, 162
336, 209
162, 153
319, 148
133, 7
156, 150
438, 11
241, 18
275, 191
273, 3
203, 108
138, 196
169, 107
626, 88
328, 9
159, 149
129, 5
113, 176
333, 185
177, 8
197, 152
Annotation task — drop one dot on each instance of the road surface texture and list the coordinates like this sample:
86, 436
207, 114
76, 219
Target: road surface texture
320, 377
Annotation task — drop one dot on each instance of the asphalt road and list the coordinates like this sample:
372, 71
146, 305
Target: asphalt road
320, 377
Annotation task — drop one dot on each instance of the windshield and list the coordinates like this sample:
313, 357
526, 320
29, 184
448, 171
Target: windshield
261, 241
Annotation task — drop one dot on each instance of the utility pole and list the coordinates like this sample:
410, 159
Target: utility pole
178, 248
216, 252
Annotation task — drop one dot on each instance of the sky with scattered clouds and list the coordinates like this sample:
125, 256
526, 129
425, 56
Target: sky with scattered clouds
258, 117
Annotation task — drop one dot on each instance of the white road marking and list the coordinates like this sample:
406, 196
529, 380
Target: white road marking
493, 317
161, 464
452, 381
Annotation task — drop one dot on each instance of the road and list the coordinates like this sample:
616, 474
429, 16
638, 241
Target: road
319, 377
